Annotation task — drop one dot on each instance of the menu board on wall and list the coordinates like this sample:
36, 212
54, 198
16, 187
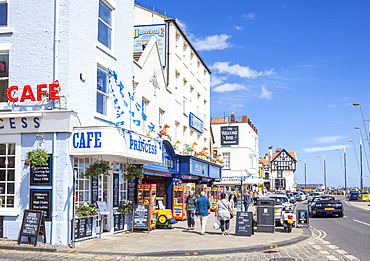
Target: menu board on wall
41, 200
115, 190
131, 191
119, 222
94, 190
42, 175
230, 135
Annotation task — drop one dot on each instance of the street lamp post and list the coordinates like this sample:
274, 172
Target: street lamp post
363, 121
305, 176
324, 174
345, 169
361, 181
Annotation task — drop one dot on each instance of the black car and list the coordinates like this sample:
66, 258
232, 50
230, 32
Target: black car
325, 205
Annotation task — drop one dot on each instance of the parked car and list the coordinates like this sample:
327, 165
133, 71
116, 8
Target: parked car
302, 196
291, 197
325, 205
297, 196
312, 195
280, 200
354, 195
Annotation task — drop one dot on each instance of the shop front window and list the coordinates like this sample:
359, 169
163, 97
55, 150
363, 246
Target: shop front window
7, 175
119, 168
82, 182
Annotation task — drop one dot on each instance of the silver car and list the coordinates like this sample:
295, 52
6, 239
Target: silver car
280, 200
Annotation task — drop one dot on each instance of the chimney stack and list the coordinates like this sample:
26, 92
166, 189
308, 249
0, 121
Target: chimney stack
232, 117
244, 118
278, 150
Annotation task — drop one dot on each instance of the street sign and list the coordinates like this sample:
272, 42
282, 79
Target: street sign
302, 218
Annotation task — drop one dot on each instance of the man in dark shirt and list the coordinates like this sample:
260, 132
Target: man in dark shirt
246, 200
190, 209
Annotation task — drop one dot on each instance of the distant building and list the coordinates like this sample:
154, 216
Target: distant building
278, 169
309, 187
236, 141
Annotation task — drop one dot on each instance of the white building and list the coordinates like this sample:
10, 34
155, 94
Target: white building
278, 169
85, 46
179, 89
237, 142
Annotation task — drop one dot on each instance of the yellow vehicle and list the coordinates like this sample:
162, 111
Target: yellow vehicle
164, 216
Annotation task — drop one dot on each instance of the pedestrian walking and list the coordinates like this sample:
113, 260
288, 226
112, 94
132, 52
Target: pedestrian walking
232, 200
202, 210
222, 213
246, 200
255, 197
190, 209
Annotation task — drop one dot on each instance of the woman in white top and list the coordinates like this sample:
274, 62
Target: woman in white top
222, 212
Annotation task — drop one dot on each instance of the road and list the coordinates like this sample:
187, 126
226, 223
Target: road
350, 233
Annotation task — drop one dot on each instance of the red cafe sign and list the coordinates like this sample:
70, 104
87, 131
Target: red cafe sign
27, 93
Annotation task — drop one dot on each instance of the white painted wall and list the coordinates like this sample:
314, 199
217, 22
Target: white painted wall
188, 77
239, 154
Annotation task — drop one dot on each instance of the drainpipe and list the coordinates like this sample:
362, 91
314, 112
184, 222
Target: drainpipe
168, 51
56, 43
55, 156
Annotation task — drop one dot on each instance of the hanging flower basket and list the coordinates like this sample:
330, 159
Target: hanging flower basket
126, 207
133, 172
85, 210
99, 167
37, 157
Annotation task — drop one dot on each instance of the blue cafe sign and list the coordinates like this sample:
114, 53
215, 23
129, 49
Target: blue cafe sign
196, 123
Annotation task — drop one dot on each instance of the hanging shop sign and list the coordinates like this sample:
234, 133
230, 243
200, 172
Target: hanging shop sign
230, 135
41, 200
42, 174
114, 141
13, 92
143, 34
40, 122
196, 123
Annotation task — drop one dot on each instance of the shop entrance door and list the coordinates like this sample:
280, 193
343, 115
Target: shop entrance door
104, 195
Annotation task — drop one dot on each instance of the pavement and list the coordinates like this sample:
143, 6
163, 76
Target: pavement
179, 241
314, 248
359, 204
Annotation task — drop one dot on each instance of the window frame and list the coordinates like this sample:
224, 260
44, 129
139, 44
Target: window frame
84, 179
7, 13
111, 4
227, 162
14, 138
5, 78
107, 94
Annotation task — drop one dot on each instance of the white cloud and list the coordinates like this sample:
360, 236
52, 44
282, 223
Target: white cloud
250, 15
217, 80
332, 106
214, 42
265, 93
325, 148
238, 28
328, 139
185, 29
229, 87
241, 71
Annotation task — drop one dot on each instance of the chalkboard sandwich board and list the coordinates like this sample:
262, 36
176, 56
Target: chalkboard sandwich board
141, 217
244, 224
33, 221
83, 227
119, 222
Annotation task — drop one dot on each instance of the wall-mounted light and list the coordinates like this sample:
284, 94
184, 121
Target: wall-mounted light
82, 77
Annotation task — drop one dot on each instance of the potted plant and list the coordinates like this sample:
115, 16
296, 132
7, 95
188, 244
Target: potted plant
99, 167
126, 207
86, 210
37, 157
133, 171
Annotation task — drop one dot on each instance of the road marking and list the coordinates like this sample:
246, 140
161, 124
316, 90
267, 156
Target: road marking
324, 252
345, 216
361, 222
316, 247
332, 258
332, 246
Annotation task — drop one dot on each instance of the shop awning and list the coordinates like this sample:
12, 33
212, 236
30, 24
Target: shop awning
114, 143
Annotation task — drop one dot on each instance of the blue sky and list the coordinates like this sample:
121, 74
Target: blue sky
294, 67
